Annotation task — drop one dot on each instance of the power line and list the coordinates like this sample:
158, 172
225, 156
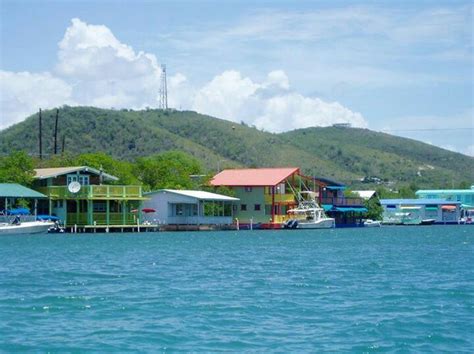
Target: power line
426, 129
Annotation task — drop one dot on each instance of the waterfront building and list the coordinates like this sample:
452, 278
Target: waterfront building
464, 196
265, 194
417, 211
11, 193
185, 207
348, 211
84, 197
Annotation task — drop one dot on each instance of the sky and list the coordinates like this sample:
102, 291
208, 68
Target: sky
402, 67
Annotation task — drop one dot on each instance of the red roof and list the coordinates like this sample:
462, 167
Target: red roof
253, 177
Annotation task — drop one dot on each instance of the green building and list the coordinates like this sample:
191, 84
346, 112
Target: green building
83, 196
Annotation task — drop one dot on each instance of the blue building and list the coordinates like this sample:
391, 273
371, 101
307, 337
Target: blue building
347, 211
417, 211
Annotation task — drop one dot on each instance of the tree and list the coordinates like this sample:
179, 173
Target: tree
17, 167
167, 170
374, 209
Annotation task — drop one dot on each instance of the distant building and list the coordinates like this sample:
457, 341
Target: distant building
82, 196
185, 207
465, 196
342, 125
348, 211
416, 211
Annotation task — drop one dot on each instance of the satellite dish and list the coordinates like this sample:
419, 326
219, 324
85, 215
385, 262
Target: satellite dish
74, 187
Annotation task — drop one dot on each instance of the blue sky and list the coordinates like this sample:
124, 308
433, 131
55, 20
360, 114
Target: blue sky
278, 65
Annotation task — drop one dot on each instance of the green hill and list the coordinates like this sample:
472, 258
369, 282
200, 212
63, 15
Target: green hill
344, 154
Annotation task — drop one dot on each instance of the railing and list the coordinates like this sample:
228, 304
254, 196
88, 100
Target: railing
101, 219
280, 198
93, 191
341, 201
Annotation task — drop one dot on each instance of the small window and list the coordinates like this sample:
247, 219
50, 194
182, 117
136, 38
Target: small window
248, 189
257, 207
243, 207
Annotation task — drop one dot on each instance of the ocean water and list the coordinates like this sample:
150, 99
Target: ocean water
345, 290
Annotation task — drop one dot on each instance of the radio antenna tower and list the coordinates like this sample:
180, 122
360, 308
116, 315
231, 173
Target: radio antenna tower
163, 93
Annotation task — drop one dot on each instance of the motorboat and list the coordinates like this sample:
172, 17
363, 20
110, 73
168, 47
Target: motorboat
19, 222
308, 214
26, 227
372, 223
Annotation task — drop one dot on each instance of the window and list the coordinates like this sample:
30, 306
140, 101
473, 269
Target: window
256, 207
243, 207
248, 189
99, 207
82, 179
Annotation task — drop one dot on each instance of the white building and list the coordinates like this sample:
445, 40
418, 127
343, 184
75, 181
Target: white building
185, 207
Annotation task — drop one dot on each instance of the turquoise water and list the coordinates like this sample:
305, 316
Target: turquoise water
353, 290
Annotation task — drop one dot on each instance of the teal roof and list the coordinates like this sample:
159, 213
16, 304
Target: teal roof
445, 191
14, 190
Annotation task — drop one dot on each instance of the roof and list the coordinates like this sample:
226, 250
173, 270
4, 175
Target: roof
44, 173
201, 195
365, 194
14, 190
329, 182
416, 201
445, 191
253, 177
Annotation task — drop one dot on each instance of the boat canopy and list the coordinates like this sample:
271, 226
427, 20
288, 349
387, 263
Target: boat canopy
19, 211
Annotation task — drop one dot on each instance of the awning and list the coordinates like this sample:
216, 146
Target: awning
327, 207
448, 207
352, 209
431, 208
410, 207
336, 188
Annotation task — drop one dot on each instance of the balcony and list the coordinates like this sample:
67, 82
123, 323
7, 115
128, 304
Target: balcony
80, 219
94, 192
280, 198
341, 201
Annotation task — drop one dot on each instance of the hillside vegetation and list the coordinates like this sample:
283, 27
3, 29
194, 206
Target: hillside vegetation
345, 154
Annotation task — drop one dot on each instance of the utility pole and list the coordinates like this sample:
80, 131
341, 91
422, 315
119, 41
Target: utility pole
40, 136
63, 144
56, 132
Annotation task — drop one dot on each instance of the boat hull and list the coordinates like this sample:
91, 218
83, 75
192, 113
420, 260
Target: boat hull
34, 227
321, 224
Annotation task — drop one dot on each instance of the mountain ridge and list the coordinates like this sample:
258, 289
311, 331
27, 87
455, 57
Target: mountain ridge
345, 154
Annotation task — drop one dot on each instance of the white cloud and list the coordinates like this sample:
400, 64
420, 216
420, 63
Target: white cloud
104, 71
237, 98
95, 68
24, 93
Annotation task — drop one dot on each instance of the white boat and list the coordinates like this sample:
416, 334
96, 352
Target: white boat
372, 223
308, 214
25, 227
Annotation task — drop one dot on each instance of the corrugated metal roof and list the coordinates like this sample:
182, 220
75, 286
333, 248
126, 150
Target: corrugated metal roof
201, 195
43, 173
14, 190
445, 191
416, 201
253, 177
